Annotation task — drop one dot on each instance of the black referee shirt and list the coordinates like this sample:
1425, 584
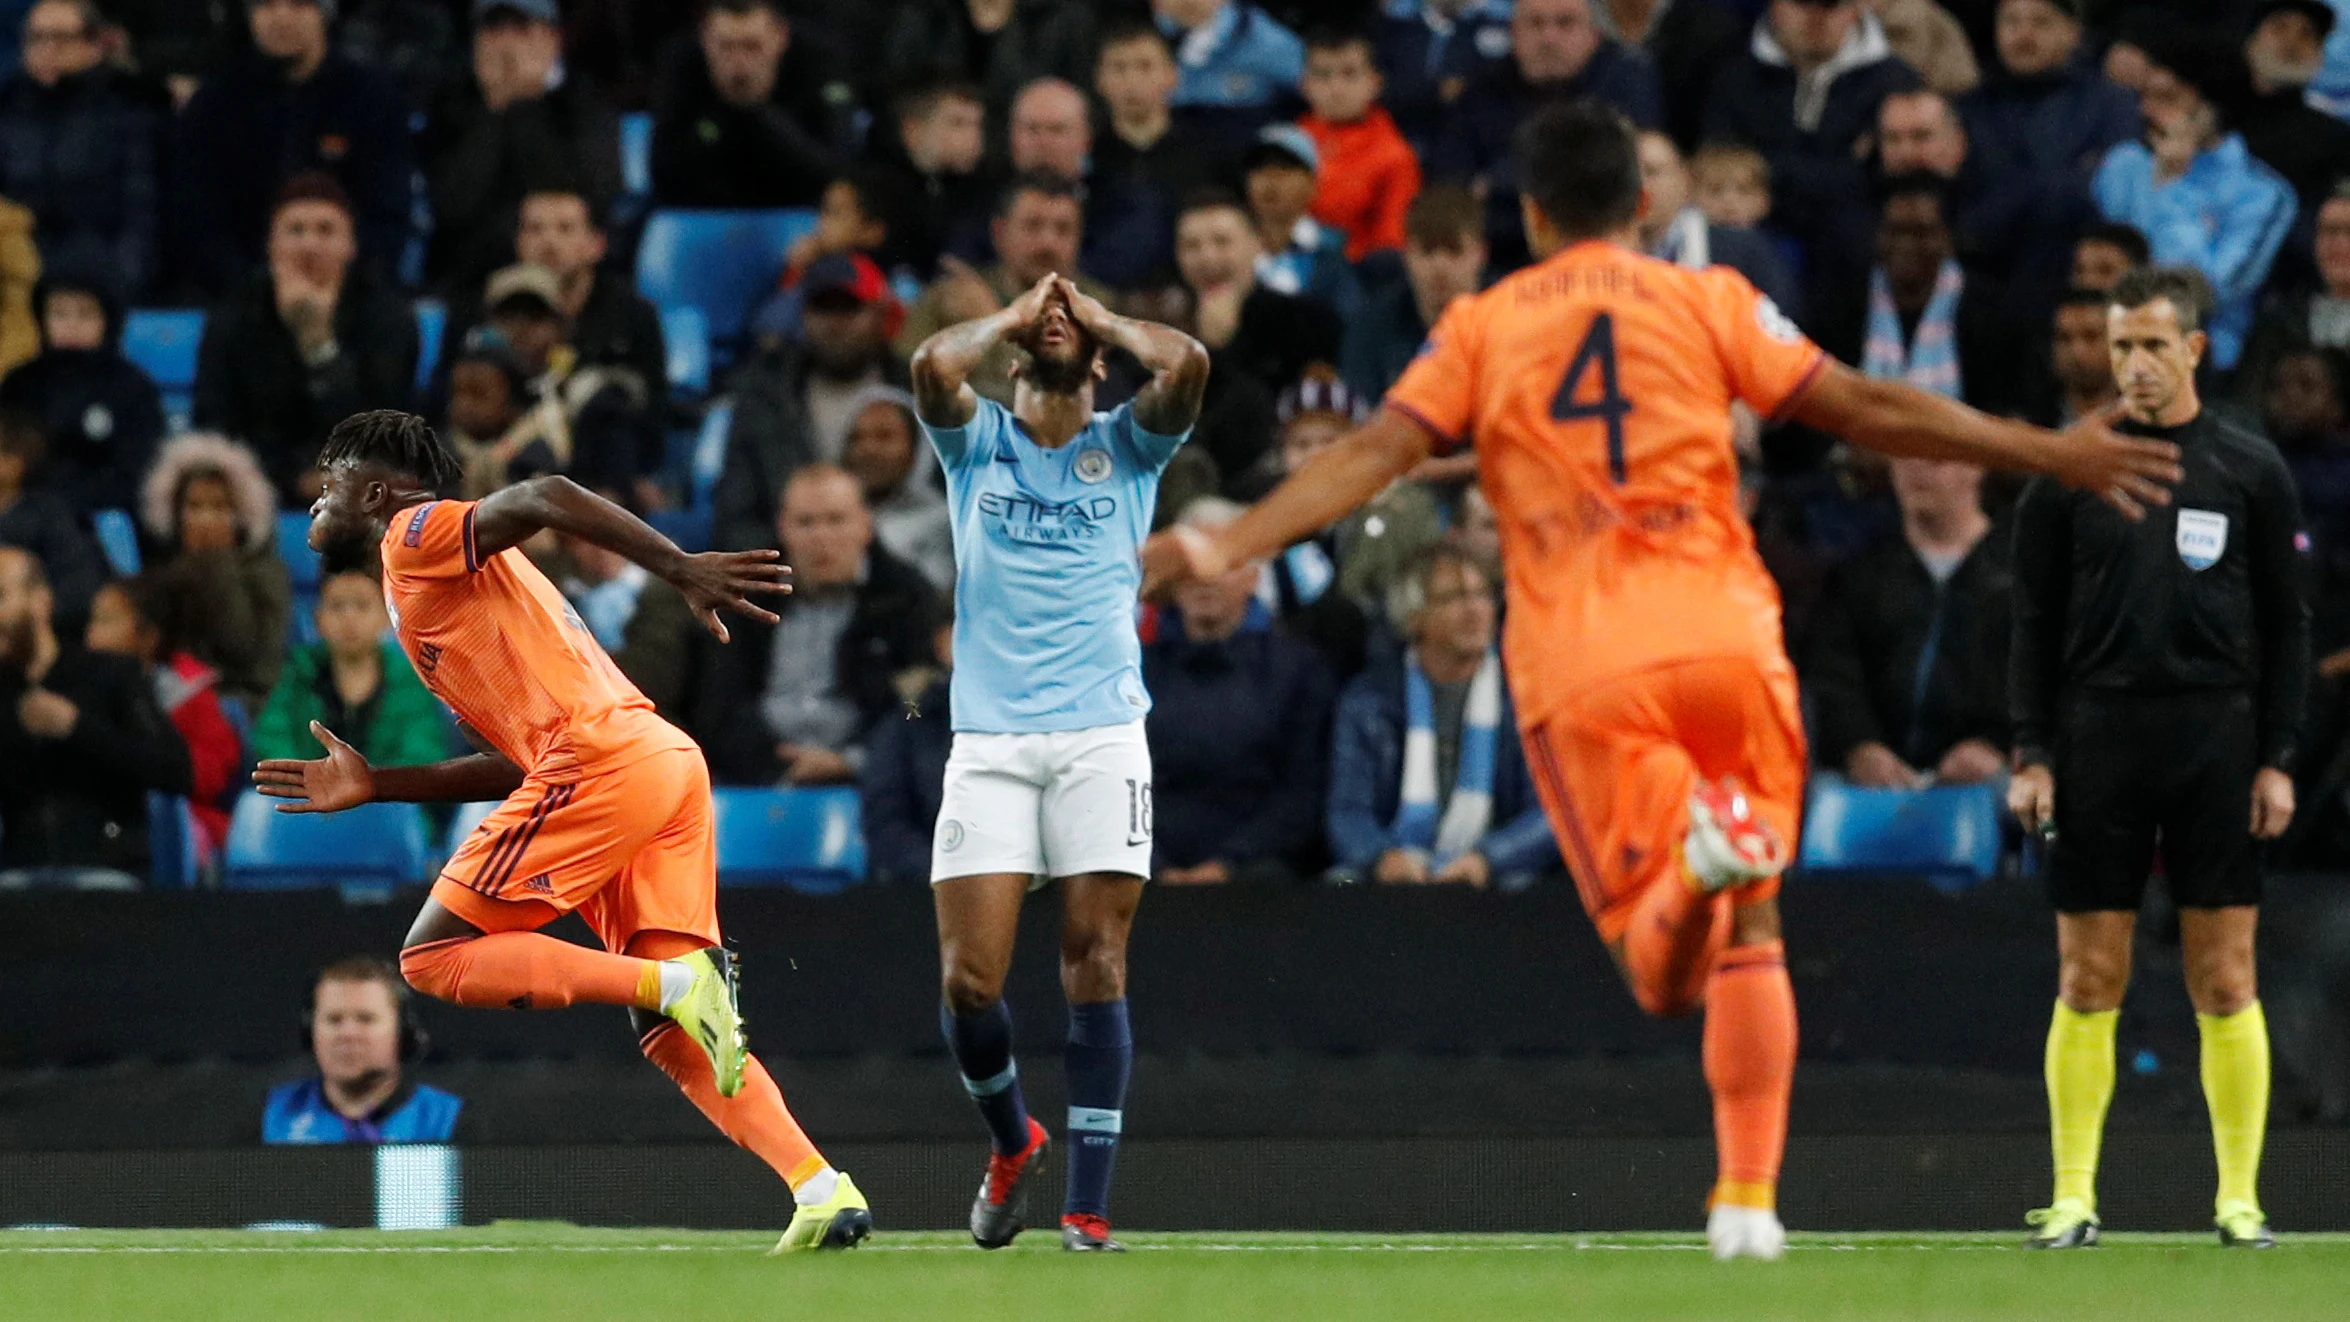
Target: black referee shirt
2205, 593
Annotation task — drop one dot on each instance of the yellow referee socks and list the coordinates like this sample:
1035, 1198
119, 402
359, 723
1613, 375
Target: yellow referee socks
2235, 1084
2079, 1068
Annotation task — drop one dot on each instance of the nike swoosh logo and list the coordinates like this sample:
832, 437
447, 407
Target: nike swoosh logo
1003, 457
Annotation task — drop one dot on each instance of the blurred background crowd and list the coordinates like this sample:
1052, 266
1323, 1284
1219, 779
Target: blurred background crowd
681, 253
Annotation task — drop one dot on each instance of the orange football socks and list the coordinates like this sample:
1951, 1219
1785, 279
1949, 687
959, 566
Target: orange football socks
1750, 1065
755, 1118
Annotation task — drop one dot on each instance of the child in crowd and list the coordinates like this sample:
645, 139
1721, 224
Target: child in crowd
142, 618
1731, 184
499, 434
1369, 173
356, 682
102, 415
1302, 256
853, 221
211, 522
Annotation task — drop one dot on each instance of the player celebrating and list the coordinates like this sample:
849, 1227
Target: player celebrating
607, 806
1049, 777
1643, 643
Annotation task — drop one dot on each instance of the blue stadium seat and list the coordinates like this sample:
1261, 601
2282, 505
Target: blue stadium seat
692, 529
1950, 834
685, 334
369, 849
808, 839
233, 708
722, 262
432, 329
175, 847
466, 822
293, 547
636, 153
709, 458
163, 342
118, 536
302, 623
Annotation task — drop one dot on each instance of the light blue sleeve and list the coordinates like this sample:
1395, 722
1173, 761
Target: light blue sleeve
956, 444
2255, 210
1283, 52
1151, 449
2111, 186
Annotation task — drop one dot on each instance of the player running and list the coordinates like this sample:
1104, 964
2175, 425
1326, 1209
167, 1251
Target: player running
1049, 778
1643, 638
607, 806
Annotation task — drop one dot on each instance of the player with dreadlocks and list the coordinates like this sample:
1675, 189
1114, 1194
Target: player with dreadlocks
606, 806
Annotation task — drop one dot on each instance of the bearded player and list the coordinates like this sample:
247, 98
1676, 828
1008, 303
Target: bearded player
1643, 641
1049, 778
607, 806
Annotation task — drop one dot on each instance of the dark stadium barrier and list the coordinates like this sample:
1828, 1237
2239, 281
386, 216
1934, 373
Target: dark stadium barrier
1848, 1183
1886, 971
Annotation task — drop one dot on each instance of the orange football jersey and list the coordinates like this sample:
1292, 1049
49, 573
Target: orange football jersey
1596, 387
497, 642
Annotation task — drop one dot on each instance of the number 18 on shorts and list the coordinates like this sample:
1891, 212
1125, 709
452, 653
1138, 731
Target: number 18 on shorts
1046, 805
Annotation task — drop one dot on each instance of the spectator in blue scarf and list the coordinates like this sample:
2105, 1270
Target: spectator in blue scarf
1428, 783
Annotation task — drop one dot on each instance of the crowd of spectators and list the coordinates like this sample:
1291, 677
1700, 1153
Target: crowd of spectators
1935, 192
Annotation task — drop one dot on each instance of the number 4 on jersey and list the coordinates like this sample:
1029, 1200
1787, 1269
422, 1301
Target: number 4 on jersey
1599, 346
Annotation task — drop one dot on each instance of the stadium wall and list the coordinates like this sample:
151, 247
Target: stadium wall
1847, 1183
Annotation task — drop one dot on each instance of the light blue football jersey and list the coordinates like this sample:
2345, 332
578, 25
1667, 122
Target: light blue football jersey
1048, 547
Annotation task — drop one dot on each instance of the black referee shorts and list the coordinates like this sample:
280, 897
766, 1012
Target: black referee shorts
2139, 775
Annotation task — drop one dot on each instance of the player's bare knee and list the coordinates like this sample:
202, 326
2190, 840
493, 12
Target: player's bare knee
2222, 983
2093, 981
1093, 970
969, 988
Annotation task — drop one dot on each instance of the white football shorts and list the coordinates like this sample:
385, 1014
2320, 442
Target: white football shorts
1046, 805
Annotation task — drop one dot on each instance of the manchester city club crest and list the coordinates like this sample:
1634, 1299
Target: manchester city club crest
1092, 466
950, 836
2202, 538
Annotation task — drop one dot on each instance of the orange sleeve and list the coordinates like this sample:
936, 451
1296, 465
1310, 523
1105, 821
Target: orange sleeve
434, 540
1438, 389
1768, 360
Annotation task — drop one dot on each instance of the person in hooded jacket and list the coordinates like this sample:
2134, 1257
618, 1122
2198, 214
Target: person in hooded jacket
212, 516
103, 416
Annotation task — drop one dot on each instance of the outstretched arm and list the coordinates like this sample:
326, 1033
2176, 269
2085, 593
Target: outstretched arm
711, 581
943, 365
1897, 419
343, 779
1178, 364
1333, 484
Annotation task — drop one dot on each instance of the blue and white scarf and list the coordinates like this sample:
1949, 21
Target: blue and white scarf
1931, 360
1309, 572
607, 607
1469, 813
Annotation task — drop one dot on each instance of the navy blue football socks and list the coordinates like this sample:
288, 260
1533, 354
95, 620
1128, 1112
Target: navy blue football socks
1101, 1055
982, 1045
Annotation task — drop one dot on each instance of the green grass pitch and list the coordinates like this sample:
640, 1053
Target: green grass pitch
515, 1272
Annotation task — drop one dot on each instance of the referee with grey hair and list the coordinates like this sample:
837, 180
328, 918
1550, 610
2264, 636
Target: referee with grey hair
2158, 674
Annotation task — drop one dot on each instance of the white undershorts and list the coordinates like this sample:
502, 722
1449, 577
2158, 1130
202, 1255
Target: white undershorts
1046, 805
